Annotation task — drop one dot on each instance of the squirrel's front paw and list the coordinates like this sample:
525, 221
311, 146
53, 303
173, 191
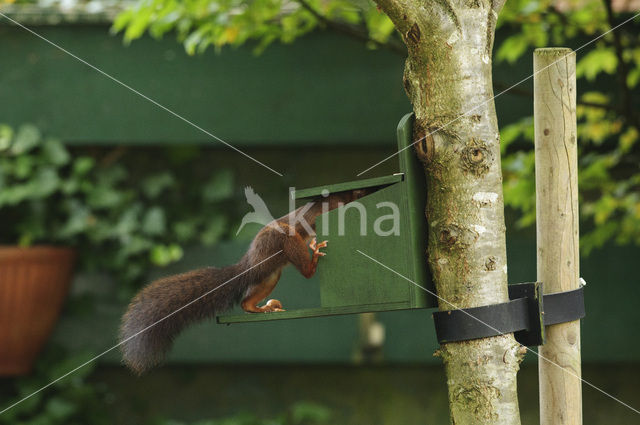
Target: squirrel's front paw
315, 247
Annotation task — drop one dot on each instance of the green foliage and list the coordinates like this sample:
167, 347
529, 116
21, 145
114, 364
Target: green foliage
608, 119
203, 23
76, 400
71, 400
596, 61
301, 413
609, 184
122, 217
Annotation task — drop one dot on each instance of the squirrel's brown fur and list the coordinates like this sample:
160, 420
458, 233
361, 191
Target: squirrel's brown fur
161, 310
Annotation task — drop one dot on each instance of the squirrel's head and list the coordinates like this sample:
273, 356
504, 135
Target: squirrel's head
341, 198
359, 193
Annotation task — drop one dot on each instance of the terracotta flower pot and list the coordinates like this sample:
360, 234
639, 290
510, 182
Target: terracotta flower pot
33, 285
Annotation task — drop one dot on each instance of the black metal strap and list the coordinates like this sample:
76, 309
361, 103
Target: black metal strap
523, 315
481, 322
563, 307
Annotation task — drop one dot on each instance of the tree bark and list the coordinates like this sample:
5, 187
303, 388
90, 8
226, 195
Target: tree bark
448, 79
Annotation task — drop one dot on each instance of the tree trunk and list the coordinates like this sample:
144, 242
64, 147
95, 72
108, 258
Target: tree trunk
448, 79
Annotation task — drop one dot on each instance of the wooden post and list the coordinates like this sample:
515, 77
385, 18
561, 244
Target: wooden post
557, 228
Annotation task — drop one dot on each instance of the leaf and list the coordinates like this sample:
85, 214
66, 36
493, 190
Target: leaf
597, 237
199, 24
219, 187
70, 186
25, 240
603, 209
14, 194
103, 196
596, 61
192, 41
163, 255
128, 222
45, 182
27, 390
628, 139
593, 174
113, 175
230, 34
23, 166
83, 165
166, 20
309, 413
59, 409
137, 24
519, 187
154, 185
512, 132
55, 152
122, 20
69, 363
379, 25
184, 230
215, 229
595, 97
632, 78
27, 138
153, 222
136, 245
78, 220
6, 134
512, 48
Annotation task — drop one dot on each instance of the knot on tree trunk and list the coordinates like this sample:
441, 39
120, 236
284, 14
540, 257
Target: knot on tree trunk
413, 35
424, 145
476, 157
452, 236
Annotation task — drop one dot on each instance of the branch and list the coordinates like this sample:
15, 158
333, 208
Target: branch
397, 11
113, 156
497, 5
558, 14
392, 7
352, 31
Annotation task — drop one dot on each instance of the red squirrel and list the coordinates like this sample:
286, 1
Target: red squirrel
162, 309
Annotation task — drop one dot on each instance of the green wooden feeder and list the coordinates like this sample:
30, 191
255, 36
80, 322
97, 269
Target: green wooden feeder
349, 281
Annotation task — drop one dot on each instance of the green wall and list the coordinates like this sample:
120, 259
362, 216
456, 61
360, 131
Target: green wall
322, 89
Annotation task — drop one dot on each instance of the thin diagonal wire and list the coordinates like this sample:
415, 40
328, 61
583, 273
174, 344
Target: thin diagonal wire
499, 94
175, 114
134, 335
496, 330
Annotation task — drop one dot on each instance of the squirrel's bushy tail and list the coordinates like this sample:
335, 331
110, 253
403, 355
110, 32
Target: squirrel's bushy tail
165, 307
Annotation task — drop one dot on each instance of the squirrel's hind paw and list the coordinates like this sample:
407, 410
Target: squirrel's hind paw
273, 305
